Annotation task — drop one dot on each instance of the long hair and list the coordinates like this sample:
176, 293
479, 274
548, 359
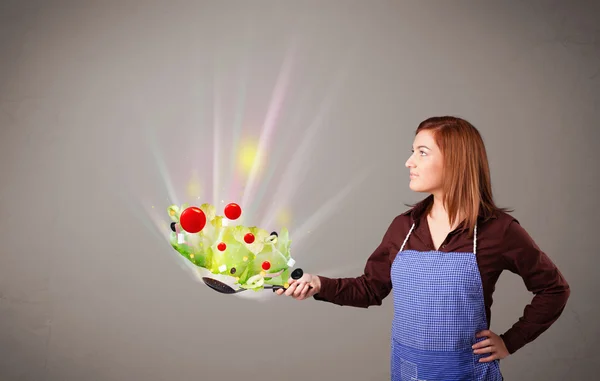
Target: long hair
466, 176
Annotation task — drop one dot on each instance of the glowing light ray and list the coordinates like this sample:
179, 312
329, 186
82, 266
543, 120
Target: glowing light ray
258, 199
277, 156
295, 171
324, 211
162, 169
269, 124
216, 138
293, 174
151, 221
234, 182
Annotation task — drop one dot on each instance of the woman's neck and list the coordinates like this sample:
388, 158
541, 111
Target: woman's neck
438, 212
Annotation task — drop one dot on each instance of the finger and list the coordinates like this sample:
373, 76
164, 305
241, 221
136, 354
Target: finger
488, 358
489, 349
484, 333
482, 344
304, 292
298, 290
291, 288
279, 291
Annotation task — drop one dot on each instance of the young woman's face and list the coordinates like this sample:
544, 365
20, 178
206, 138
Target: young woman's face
425, 164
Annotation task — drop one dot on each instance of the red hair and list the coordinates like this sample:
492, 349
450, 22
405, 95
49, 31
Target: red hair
466, 177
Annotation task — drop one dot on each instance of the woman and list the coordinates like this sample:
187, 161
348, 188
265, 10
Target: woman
441, 260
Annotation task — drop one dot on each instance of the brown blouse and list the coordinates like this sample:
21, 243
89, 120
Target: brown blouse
502, 244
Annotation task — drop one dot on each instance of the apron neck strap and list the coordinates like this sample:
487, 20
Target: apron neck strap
408, 235
413, 226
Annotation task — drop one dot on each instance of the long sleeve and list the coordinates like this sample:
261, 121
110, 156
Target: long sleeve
372, 286
541, 277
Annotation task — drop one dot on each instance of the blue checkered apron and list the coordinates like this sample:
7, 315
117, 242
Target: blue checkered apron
438, 309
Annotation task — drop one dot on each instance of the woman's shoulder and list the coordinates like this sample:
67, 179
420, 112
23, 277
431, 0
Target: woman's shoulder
403, 220
503, 216
415, 211
399, 225
504, 223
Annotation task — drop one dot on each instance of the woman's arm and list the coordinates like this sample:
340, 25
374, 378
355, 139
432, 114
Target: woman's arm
542, 278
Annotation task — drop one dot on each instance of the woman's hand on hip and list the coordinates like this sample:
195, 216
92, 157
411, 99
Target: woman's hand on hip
494, 345
299, 289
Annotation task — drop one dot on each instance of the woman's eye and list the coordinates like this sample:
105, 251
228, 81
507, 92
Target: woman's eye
422, 153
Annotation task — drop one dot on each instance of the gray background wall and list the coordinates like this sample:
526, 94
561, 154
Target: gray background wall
108, 110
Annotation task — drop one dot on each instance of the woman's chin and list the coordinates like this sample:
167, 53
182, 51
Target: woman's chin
416, 188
